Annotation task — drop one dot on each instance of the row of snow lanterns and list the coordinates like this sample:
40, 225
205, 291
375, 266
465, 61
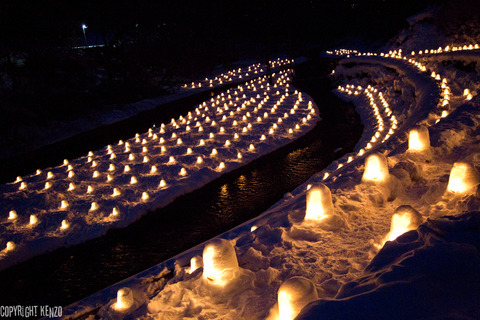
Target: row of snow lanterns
398, 53
446, 92
179, 141
447, 49
237, 73
445, 89
219, 260
370, 93
145, 196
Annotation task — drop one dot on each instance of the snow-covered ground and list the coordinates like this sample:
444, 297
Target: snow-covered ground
35, 135
110, 188
347, 243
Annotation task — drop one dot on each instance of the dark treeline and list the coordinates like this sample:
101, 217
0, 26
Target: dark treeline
152, 45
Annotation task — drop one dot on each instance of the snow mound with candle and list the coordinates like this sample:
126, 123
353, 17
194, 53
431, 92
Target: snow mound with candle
388, 238
110, 188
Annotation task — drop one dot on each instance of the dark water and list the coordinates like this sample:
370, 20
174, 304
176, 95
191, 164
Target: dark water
70, 274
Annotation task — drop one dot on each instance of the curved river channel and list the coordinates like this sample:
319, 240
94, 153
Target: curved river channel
70, 274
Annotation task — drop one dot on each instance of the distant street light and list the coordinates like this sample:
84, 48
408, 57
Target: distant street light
84, 35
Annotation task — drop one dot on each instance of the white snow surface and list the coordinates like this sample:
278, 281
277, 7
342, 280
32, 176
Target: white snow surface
110, 188
432, 272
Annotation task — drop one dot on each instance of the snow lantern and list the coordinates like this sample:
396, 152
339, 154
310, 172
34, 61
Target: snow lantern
219, 262
124, 299
33, 219
319, 202
65, 225
418, 139
12, 215
404, 219
195, 263
293, 295
463, 177
10, 246
376, 168
63, 204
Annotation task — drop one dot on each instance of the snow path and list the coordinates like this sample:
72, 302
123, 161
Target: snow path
110, 188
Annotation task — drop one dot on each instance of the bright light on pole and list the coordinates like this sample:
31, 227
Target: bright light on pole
84, 35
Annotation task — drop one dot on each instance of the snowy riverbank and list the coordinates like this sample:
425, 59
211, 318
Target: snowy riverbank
110, 188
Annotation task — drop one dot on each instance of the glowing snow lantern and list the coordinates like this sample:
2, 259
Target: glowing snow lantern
239, 155
71, 186
10, 246
33, 220
199, 160
463, 177
162, 183
171, 159
93, 206
133, 180
12, 215
47, 185
195, 263
293, 295
418, 139
251, 147
64, 204
221, 166
64, 225
189, 150
115, 192
89, 189
145, 196
131, 157
376, 168
50, 175
153, 170
319, 203
115, 211
219, 262
183, 172
214, 152
404, 219
23, 186
96, 174
124, 299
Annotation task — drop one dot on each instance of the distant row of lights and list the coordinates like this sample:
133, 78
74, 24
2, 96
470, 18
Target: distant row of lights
237, 74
